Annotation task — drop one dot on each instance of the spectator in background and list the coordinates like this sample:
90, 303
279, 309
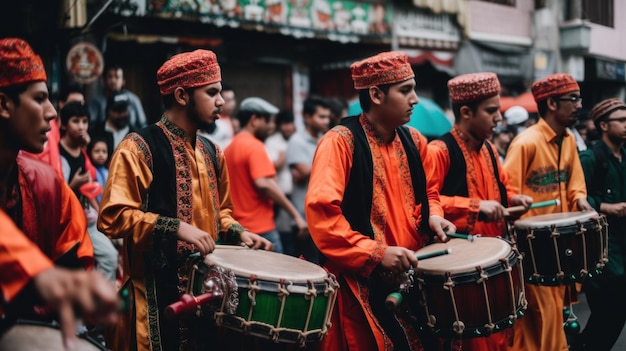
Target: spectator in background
338, 110
300, 150
253, 185
74, 92
98, 153
276, 145
115, 128
114, 83
502, 139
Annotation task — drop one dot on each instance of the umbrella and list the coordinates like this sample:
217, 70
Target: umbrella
525, 100
427, 117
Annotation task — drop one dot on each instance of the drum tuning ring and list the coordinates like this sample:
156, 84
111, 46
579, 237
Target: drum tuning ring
569, 252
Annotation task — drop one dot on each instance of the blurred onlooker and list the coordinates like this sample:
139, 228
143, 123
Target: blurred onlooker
114, 82
116, 125
502, 139
515, 116
98, 153
338, 110
300, 151
74, 92
276, 145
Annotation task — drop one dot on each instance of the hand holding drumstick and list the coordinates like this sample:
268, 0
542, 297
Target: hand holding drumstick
521, 208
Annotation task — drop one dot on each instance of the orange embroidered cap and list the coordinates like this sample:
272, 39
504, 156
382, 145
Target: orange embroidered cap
473, 87
19, 64
188, 70
384, 68
606, 107
553, 85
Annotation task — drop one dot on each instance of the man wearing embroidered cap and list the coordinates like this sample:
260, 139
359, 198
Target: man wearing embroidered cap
604, 165
255, 189
370, 206
542, 162
43, 222
472, 184
168, 196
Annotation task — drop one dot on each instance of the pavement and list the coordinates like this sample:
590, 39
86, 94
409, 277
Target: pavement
581, 310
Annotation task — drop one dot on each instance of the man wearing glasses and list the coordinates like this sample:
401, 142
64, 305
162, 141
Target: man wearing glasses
542, 162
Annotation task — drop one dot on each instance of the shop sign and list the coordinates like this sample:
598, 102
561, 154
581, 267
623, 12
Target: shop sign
84, 63
610, 70
346, 21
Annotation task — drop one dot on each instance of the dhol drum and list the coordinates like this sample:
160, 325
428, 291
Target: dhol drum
31, 335
274, 296
474, 291
561, 248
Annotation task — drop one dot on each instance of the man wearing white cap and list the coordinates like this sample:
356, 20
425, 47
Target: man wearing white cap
254, 188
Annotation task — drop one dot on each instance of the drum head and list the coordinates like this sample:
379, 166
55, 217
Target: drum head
465, 256
26, 337
560, 219
265, 265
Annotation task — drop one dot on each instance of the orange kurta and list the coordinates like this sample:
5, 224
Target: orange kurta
463, 211
351, 255
538, 167
20, 261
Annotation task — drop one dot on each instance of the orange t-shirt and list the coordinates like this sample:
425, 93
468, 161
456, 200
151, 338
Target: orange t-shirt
247, 160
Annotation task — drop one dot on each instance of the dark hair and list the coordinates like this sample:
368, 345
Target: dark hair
284, 117
364, 97
94, 141
311, 104
72, 88
14, 91
227, 87
456, 108
73, 109
605, 116
337, 105
245, 116
113, 66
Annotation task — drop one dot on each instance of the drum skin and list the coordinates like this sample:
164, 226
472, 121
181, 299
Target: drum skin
28, 336
474, 291
562, 248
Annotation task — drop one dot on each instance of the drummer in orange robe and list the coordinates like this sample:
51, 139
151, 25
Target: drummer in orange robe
472, 184
369, 205
543, 162
35, 198
168, 197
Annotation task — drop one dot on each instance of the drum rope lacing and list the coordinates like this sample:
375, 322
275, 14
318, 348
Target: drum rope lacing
484, 277
554, 234
530, 236
581, 231
508, 269
458, 326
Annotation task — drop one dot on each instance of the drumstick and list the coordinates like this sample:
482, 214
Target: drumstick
461, 236
554, 202
434, 254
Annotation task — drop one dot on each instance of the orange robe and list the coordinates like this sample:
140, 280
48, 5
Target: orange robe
538, 167
352, 256
463, 211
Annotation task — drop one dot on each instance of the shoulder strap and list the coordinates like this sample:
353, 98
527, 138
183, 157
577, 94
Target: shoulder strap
455, 181
602, 167
494, 161
211, 149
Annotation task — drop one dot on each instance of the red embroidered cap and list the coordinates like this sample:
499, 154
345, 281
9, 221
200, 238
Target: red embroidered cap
19, 63
553, 85
606, 107
473, 87
188, 70
384, 68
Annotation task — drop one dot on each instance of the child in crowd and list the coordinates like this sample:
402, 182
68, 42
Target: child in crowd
99, 156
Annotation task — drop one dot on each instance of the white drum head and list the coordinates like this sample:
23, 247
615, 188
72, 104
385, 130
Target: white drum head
560, 219
26, 337
465, 256
265, 265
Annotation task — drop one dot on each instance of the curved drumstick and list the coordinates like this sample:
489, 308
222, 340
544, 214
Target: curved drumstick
394, 299
188, 303
519, 208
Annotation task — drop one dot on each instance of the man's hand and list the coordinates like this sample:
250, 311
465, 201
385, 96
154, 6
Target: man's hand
583, 205
522, 200
491, 210
398, 259
67, 291
255, 241
303, 228
441, 226
199, 238
618, 209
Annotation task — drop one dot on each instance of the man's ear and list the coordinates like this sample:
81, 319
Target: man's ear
466, 112
181, 96
552, 104
6, 105
376, 95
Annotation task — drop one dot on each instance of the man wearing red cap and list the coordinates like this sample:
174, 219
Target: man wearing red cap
473, 186
38, 202
604, 165
543, 162
168, 196
369, 206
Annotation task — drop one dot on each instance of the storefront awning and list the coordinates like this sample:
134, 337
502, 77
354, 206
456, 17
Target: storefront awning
512, 63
